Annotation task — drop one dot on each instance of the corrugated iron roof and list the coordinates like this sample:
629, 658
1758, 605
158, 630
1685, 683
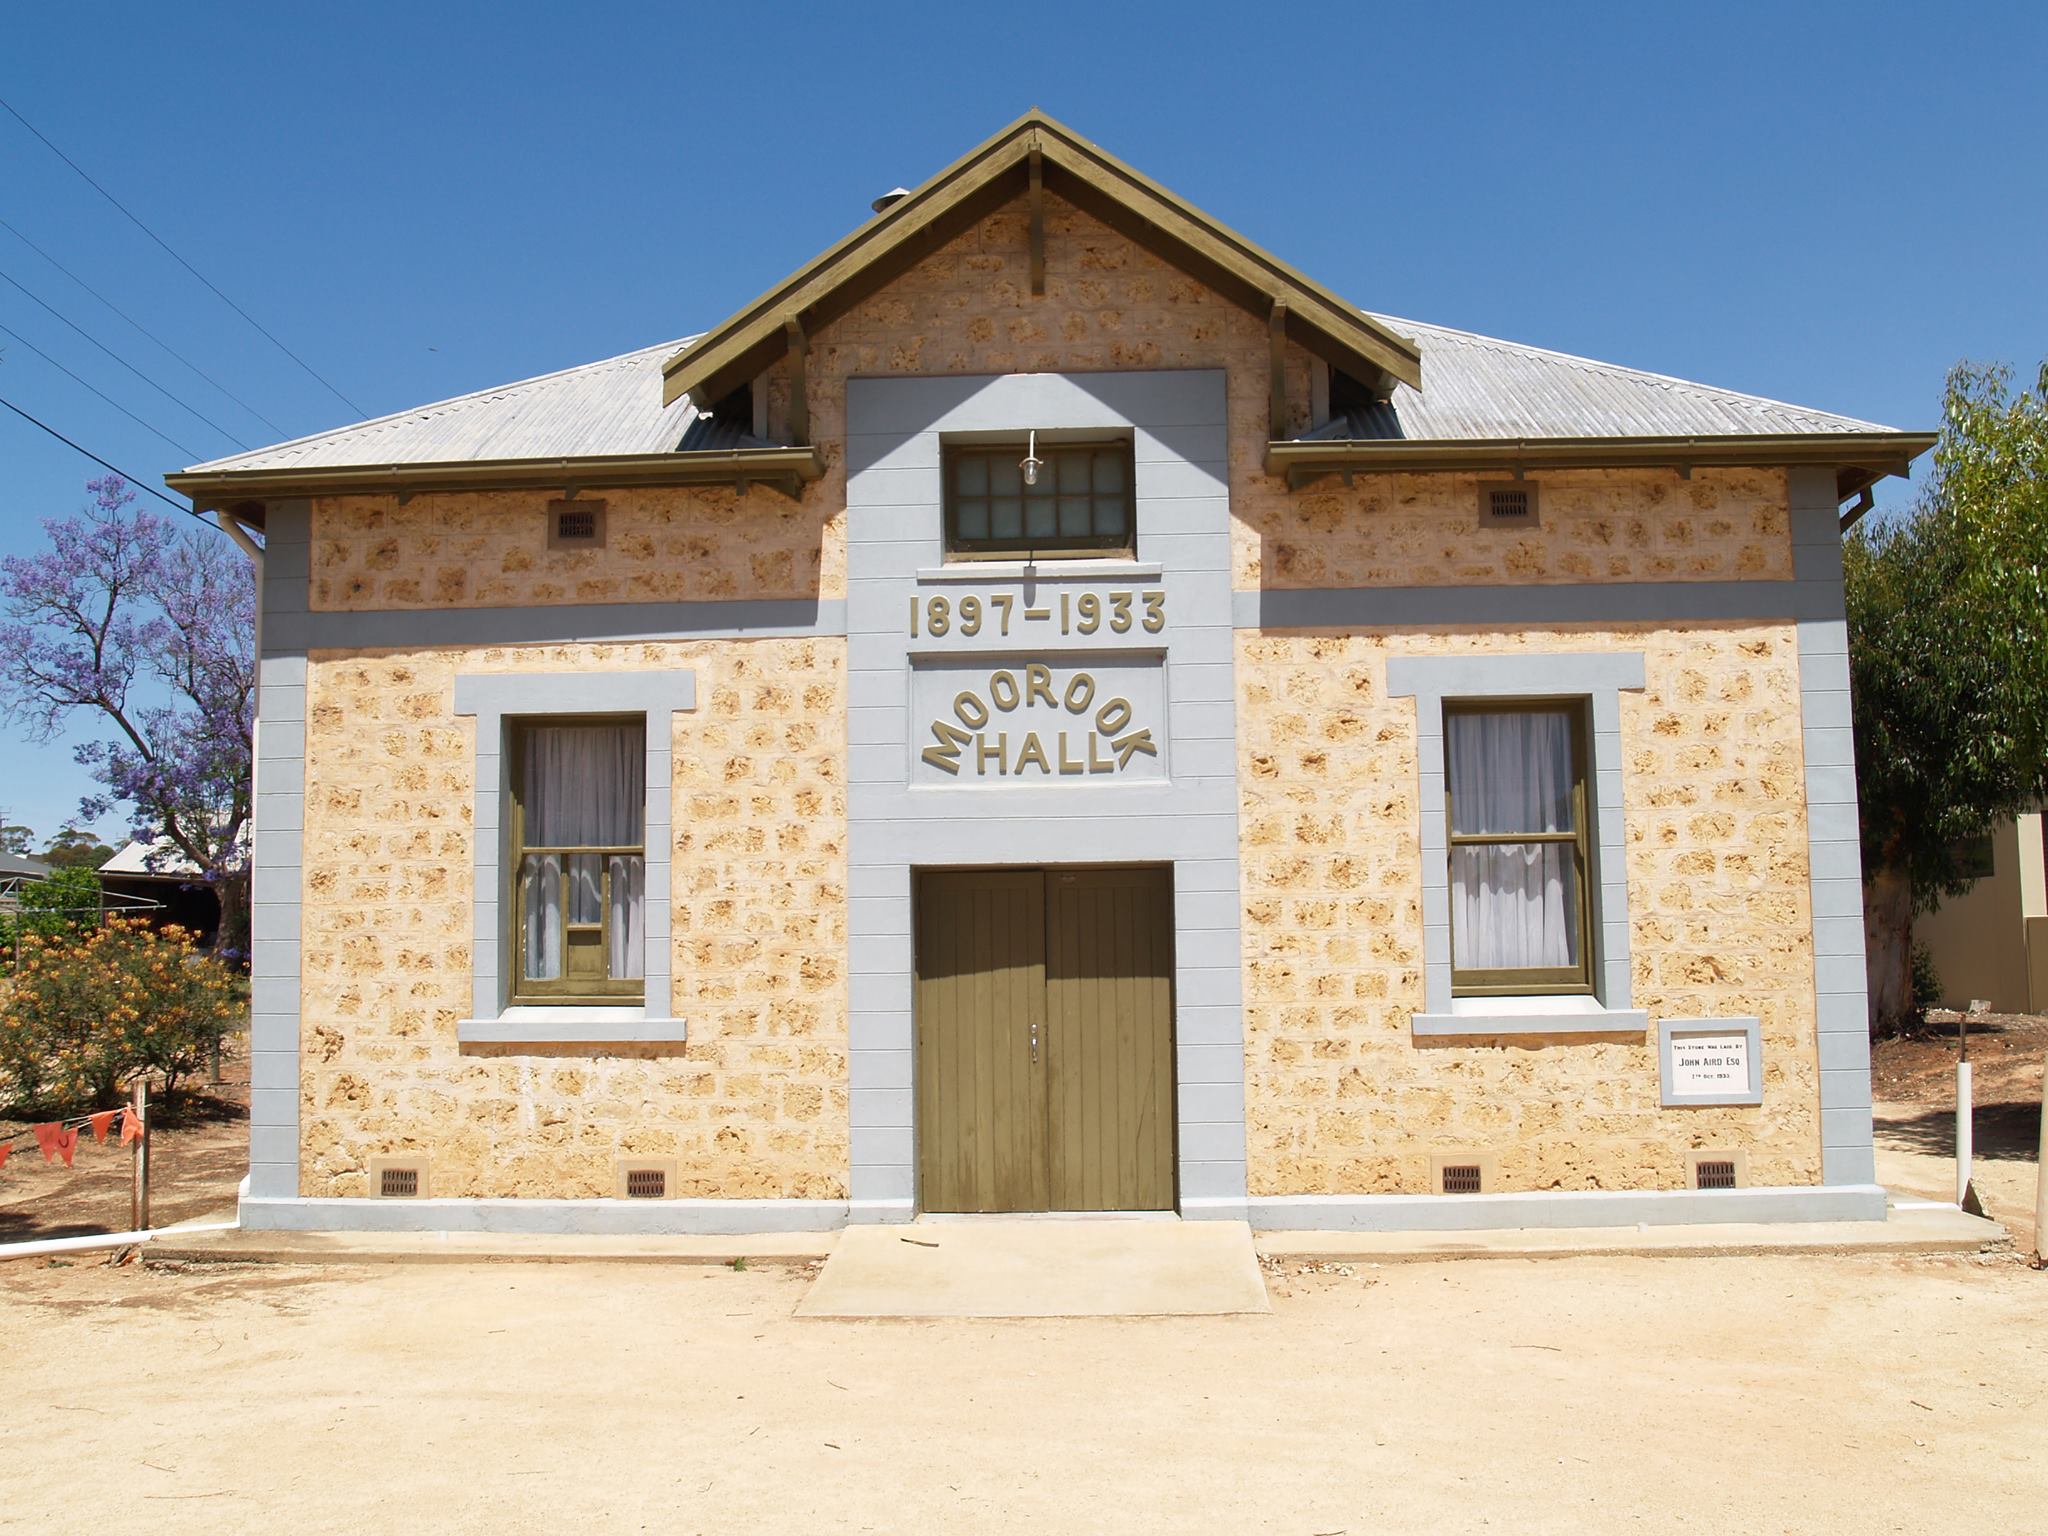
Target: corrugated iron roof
1474, 388
1477, 387
613, 406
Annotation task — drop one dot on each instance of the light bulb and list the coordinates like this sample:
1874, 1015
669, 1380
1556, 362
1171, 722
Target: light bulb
1030, 464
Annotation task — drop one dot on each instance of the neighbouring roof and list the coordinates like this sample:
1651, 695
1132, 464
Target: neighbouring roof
22, 865
156, 860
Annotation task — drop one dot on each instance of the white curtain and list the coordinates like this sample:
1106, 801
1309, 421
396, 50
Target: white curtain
584, 784
629, 916
1513, 905
542, 875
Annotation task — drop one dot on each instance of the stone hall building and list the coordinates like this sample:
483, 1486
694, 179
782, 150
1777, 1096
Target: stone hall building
1052, 709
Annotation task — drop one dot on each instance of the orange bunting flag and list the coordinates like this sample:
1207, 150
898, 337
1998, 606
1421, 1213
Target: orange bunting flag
131, 1126
100, 1123
6, 1148
56, 1142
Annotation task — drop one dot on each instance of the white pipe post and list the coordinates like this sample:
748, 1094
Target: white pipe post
1964, 1137
2041, 1179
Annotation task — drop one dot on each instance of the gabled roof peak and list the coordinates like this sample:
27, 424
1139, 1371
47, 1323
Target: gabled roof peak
1032, 156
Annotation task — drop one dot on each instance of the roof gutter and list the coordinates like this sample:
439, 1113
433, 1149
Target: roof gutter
785, 469
1864, 457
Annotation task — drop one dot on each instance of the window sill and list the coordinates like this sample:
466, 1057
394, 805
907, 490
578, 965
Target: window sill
1528, 1016
1076, 568
535, 1024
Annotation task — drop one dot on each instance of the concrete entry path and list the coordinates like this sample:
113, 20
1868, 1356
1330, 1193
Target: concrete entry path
1040, 1267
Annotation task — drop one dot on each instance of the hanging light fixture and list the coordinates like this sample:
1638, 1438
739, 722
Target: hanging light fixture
1032, 462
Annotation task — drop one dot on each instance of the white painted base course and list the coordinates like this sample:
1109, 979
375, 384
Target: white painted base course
1290, 1213
1565, 1208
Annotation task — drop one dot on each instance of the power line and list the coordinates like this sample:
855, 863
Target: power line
117, 357
103, 464
152, 335
181, 261
117, 405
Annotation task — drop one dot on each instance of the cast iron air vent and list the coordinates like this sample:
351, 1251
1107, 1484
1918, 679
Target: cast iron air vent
576, 524
1511, 505
399, 1183
1461, 1179
646, 1183
1718, 1173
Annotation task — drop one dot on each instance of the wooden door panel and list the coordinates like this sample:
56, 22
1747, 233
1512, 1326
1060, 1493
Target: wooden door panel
1109, 1038
980, 990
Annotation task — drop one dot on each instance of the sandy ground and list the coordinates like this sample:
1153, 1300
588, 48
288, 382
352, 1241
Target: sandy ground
1578, 1395
200, 1148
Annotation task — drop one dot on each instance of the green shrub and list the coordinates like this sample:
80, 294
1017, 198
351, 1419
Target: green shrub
82, 1016
66, 904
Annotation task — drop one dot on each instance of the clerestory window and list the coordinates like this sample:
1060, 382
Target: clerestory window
1077, 501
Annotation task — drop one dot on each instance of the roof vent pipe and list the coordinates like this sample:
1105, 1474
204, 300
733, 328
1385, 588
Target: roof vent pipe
890, 198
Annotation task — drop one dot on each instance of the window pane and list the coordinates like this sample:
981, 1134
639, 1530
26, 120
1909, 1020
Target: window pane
1514, 906
972, 519
1075, 522
1006, 518
1109, 515
1073, 466
1039, 518
970, 474
585, 784
1005, 478
1510, 771
1109, 470
540, 879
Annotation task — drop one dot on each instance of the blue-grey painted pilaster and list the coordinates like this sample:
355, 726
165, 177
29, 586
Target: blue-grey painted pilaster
277, 859
1599, 675
491, 697
1188, 817
1833, 849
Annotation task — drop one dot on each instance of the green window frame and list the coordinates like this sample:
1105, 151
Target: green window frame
1528, 981
586, 946
1083, 505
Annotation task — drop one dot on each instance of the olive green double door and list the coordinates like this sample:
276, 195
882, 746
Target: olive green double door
1045, 1039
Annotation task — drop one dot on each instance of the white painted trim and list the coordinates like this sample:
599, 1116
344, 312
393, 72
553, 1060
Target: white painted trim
1565, 1208
572, 1026
608, 1218
1511, 1020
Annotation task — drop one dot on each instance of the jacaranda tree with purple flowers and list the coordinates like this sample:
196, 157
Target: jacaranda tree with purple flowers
148, 628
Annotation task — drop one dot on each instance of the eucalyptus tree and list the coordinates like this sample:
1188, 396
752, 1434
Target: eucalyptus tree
1948, 643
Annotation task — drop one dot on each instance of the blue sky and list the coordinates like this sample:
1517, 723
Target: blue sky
1828, 204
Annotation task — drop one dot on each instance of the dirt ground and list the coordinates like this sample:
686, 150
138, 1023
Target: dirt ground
1577, 1395
199, 1149
1913, 1080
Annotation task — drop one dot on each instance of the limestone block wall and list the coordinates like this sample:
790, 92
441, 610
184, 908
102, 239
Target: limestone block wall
754, 1105
483, 549
1592, 525
1341, 1100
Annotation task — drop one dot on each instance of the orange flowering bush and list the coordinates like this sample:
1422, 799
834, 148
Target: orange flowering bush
84, 1015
